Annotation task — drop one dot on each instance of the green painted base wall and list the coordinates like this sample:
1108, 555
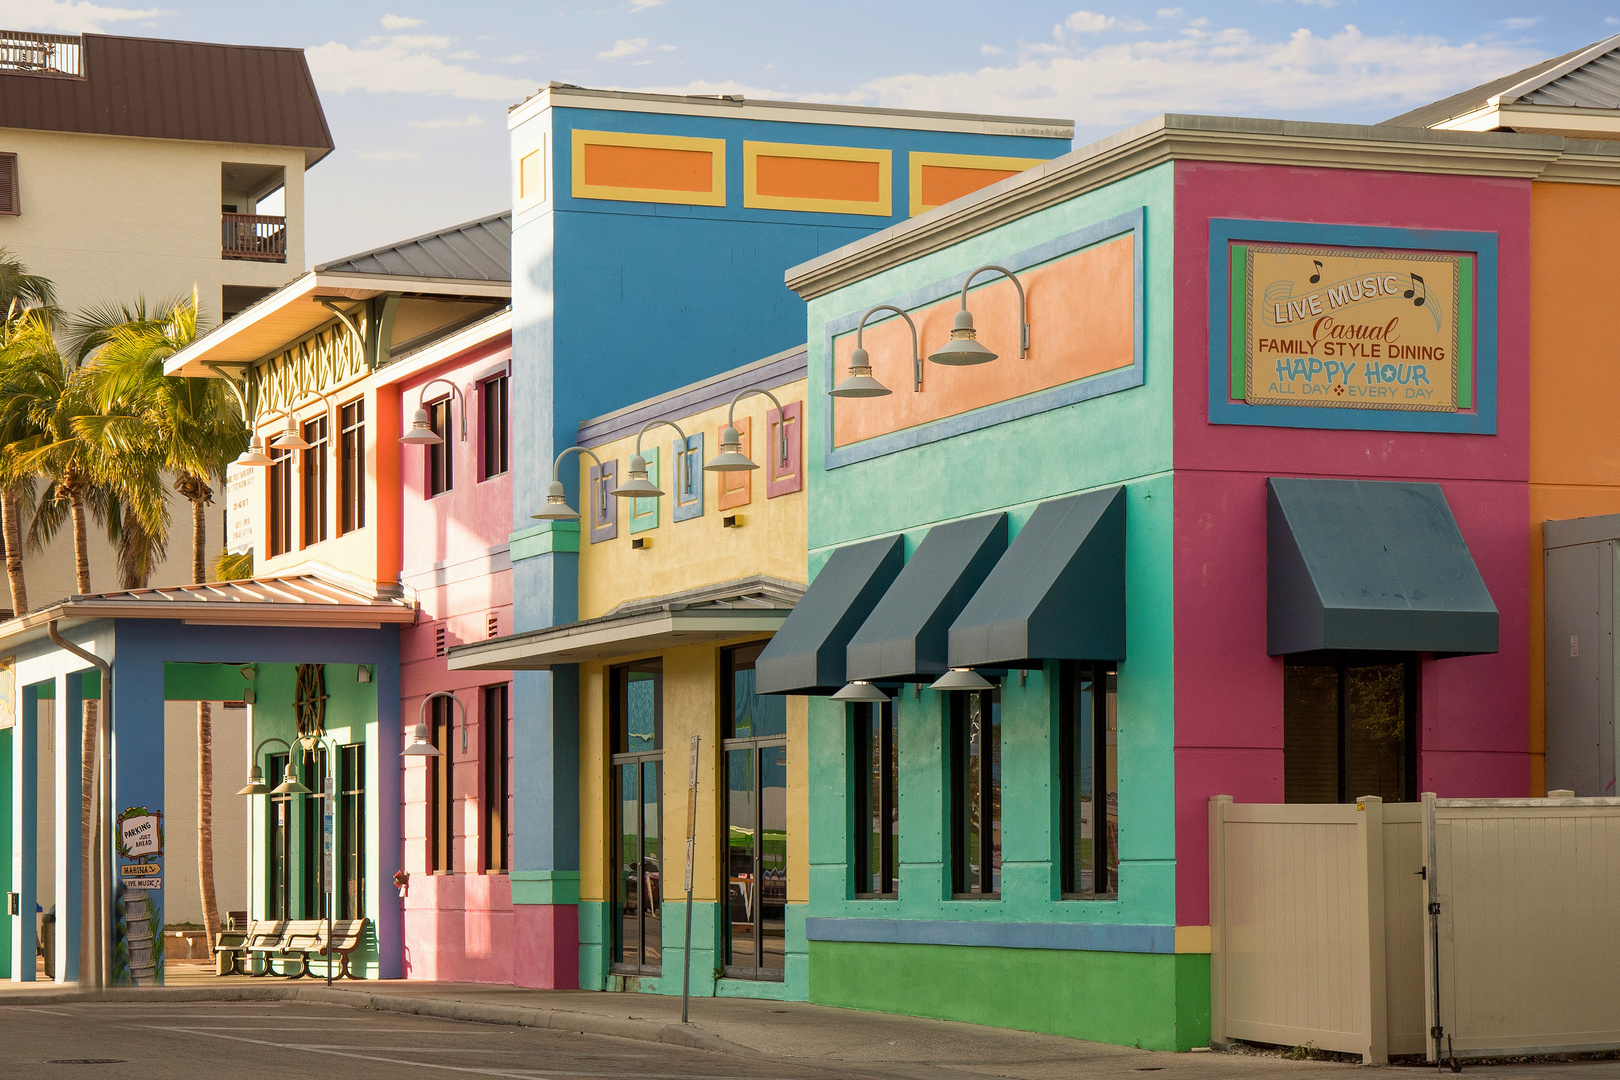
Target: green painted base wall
1158, 1001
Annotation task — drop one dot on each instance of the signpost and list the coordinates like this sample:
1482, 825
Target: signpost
328, 864
691, 853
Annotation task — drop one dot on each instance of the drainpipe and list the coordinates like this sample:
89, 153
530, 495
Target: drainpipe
95, 907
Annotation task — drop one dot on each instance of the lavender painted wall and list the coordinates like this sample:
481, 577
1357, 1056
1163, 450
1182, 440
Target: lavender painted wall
1473, 711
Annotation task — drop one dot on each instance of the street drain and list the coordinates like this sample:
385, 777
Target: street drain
85, 1061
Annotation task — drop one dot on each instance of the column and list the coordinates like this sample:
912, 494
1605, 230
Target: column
24, 832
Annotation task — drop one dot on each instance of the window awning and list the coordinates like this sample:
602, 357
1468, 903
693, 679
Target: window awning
906, 637
1367, 564
1057, 594
807, 655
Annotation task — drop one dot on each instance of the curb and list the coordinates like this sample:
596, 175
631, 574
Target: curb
478, 1012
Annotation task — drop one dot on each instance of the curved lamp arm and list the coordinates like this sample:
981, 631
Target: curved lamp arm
1023, 308
421, 713
916, 349
557, 465
455, 392
649, 425
782, 443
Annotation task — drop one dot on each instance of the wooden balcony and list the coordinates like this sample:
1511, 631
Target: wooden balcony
258, 237
41, 54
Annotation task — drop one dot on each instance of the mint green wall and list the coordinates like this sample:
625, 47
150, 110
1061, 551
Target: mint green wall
595, 947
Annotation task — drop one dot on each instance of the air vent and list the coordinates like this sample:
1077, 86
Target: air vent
492, 625
438, 640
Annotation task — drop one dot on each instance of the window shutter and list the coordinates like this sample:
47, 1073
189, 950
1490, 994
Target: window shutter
10, 197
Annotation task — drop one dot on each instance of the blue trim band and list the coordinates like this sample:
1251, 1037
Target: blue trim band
1056, 397
1085, 937
1223, 410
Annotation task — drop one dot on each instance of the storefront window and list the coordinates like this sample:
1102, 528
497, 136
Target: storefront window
638, 826
755, 749
877, 808
1349, 728
278, 898
352, 827
1088, 742
976, 793
314, 867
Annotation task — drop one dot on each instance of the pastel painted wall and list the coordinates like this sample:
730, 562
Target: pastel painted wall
1473, 711
1574, 456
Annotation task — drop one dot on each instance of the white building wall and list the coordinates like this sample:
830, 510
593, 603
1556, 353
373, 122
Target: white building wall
182, 896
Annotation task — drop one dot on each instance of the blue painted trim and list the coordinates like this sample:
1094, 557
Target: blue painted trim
1086, 937
1223, 410
687, 501
1056, 397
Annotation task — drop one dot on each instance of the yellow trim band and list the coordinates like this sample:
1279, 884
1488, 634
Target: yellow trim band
919, 159
715, 148
882, 206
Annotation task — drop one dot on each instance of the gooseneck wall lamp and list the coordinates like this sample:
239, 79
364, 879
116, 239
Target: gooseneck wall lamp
731, 458
638, 486
964, 349
860, 690
421, 744
557, 508
289, 782
860, 382
421, 433
289, 438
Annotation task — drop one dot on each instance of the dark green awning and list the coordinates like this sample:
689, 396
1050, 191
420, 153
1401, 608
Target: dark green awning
906, 637
1367, 564
807, 654
1058, 593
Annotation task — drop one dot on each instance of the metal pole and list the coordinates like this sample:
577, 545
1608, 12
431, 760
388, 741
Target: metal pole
691, 851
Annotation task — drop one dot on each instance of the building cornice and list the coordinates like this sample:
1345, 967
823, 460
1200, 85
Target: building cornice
1209, 138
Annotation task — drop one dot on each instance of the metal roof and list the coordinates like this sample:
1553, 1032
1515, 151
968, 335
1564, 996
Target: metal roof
1588, 78
479, 250
155, 89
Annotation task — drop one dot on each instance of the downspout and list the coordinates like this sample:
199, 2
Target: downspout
95, 881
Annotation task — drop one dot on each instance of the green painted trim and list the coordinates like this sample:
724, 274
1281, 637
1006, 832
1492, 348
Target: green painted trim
1240, 300
543, 539
644, 512
206, 682
545, 886
1465, 333
1151, 1000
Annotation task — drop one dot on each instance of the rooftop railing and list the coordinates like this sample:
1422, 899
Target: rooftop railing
41, 54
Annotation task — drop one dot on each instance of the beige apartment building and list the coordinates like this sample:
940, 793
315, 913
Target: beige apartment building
135, 167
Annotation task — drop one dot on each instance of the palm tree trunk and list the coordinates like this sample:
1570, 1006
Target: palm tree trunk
199, 541
205, 819
12, 531
81, 539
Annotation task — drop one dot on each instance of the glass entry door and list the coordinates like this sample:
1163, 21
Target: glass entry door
638, 813
756, 818
278, 893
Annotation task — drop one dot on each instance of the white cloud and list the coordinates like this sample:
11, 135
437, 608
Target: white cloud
989, 50
643, 5
412, 41
400, 22
473, 120
1319, 3
1520, 22
1223, 71
1612, 21
387, 155
73, 16
1091, 22
624, 47
407, 65
1169, 13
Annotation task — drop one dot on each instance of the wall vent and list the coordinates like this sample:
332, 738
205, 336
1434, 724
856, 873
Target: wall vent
438, 640
492, 625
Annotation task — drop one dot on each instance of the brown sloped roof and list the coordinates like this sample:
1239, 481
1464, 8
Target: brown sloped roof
155, 89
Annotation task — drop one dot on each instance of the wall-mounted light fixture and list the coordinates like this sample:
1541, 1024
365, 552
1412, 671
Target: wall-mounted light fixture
255, 784
731, 458
421, 744
254, 455
557, 508
421, 433
638, 486
860, 690
961, 678
964, 349
860, 382
290, 438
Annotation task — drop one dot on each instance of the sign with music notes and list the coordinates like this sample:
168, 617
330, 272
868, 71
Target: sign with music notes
1353, 328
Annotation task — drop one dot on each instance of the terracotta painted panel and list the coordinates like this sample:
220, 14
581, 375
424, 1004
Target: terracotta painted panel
648, 168
823, 179
942, 184
810, 178
1081, 318
737, 488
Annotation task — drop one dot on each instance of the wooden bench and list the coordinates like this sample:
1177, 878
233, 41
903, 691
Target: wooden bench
296, 939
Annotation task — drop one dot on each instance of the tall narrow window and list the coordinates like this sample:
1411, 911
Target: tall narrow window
755, 748
441, 791
439, 467
278, 880
1088, 803
315, 481
352, 831
876, 803
497, 753
1349, 727
313, 865
280, 501
492, 396
638, 816
976, 793
352, 466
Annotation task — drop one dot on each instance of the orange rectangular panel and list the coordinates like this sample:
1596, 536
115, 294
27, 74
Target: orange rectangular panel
1082, 322
737, 488
818, 178
821, 179
943, 183
636, 167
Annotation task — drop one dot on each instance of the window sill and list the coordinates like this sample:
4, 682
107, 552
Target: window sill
877, 896
739, 975
976, 896
1088, 898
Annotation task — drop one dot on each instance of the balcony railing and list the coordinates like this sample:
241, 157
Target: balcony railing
41, 54
262, 237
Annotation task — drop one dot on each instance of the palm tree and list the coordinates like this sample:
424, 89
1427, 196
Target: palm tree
20, 290
16, 483
194, 429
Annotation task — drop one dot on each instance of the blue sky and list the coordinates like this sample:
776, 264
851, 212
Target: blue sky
417, 93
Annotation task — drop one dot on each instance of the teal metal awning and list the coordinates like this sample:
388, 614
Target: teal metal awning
1057, 594
1367, 564
807, 654
906, 638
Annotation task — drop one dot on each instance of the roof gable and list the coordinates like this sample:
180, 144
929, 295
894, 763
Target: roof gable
1587, 78
479, 250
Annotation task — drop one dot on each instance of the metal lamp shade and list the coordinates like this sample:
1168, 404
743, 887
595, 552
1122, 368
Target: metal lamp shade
961, 678
963, 349
860, 382
419, 744
289, 785
730, 458
556, 508
421, 433
289, 439
860, 690
638, 486
255, 784
254, 454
